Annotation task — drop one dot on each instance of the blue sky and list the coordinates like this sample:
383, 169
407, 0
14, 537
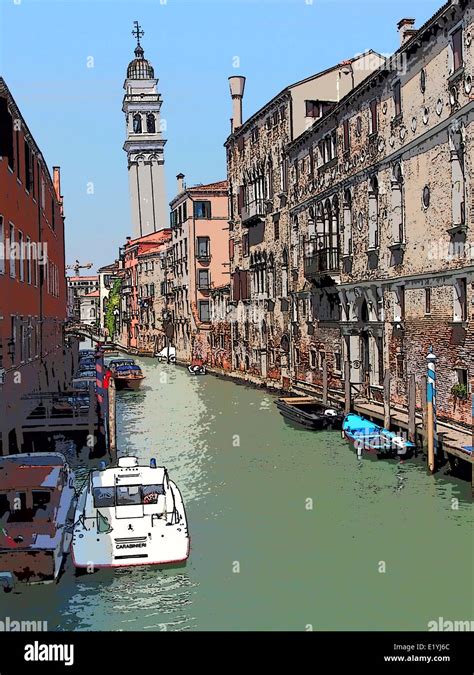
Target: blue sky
74, 111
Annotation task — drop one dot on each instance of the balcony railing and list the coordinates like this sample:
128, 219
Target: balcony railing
322, 261
253, 212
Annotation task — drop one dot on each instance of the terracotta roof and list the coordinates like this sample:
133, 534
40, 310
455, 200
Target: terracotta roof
152, 238
83, 279
94, 294
220, 185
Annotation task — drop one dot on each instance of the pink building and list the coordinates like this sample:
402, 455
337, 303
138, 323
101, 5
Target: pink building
130, 334
199, 262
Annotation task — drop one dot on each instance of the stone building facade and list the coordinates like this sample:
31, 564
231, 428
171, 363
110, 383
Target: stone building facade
385, 224
264, 249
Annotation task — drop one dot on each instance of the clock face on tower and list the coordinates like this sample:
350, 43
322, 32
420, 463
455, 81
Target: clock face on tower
144, 144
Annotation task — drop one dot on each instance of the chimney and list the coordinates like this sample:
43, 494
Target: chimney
180, 183
57, 182
237, 86
406, 30
57, 186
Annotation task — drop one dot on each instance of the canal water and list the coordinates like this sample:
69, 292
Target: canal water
289, 529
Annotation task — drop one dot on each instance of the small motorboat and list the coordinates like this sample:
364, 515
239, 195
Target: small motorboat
126, 373
197, 369
367, 436
36, 515
129, 515
307, 412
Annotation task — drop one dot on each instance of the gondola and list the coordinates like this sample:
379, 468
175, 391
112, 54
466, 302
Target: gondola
308, 413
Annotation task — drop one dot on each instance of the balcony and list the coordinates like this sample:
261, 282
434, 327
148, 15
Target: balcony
322, 261
253, 213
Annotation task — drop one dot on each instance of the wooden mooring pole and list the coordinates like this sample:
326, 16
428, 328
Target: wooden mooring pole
325, 381
386, 400
412, 408
347, 387
112, 418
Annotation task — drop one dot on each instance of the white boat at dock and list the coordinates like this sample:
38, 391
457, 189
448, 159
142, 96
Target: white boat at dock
130, 515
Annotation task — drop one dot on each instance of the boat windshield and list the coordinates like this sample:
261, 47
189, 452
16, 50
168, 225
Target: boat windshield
126, 495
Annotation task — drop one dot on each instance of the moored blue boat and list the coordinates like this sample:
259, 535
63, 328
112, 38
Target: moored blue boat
367, 436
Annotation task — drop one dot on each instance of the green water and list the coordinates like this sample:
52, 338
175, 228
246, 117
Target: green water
289, 529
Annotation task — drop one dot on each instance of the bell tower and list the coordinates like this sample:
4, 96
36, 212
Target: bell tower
144, 144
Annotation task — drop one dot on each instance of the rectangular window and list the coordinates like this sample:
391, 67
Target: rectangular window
276, 229
458, 59
313, 359
203, 248
399, 304
203, 279
373, 117
245, 244
460, 300
17, 144
312, 108
462, 377
185, 211
202, 209
2, 246
12, 251
397, 98
231, 249
204, 310
21, 256
28, 167
337, 362
347, 138
6, 134
427, 300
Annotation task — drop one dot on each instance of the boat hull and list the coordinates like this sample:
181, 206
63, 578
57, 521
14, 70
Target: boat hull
374, 439
132, 384
312, 422
154, 542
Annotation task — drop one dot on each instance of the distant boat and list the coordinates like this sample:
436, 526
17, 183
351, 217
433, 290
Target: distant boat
167, 354
197, 369
367, 436
130, 515
36, 508
126, 373
307, 412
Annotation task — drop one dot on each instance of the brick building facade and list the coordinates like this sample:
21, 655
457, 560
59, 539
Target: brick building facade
264, 249
33, 357
385, 261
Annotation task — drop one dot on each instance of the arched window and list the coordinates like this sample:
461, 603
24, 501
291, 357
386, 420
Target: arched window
398, 225
373, 213
347, 218
137, 124
150, 123
284, 274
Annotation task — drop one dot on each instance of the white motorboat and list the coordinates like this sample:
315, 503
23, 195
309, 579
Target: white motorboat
129, 515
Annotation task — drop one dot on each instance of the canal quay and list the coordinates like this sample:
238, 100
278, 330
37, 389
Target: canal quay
289, 530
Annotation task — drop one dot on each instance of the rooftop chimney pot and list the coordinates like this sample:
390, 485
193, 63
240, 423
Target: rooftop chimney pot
180, 183
406, 29
237, 87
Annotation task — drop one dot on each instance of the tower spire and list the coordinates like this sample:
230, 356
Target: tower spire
138, 33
